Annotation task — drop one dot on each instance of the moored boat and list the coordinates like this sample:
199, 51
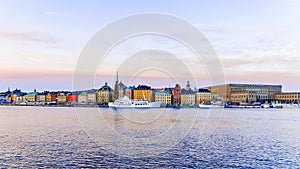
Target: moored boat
125, 102
208, 105
243, 105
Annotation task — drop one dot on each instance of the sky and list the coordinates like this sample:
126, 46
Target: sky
256, 41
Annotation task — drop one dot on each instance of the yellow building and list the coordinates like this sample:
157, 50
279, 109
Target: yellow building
291, 97
243, 97
142, 92
61, 98
188, 97
263, 92
163, 97
91, 98
104, 94
48, 97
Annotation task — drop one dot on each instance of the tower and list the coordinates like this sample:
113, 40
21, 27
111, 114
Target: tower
188, 86
116, 88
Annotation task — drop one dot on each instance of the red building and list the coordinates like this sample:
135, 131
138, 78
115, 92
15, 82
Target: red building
72, 98
53, 96
176, 95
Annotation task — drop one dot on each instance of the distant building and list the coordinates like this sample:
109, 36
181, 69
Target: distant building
129, 92
104, 94
14, 96
18, 99
92, 98
247, 97
122, 89
203, 95
30, 97
142, 92
9, 98
53, 96
83, 97
187, 97
72, 98
61, 98
41, 98
48, 97
163, 97
176, 94
290, 97
188, 86
262, 92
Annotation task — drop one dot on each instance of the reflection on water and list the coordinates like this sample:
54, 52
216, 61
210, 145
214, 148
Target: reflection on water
53, 137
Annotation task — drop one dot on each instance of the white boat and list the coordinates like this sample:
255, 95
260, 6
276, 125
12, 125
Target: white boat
276, 105
266, 105
290, 106
125, 102
207, 105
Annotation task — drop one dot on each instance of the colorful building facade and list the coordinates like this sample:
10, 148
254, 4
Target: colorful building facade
163, 97
262, 92
176, 95
290, 97
187, 97
203, 95
142, 92
104, 94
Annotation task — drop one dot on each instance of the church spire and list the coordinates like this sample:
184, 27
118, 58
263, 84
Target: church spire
116, 88
117, 78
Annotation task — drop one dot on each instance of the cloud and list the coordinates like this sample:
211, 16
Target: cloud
38, 37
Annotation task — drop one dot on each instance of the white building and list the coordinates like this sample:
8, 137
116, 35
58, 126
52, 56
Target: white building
83, 97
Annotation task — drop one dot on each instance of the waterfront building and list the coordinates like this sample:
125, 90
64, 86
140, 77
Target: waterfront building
176, 94
262, 92
9, 98
187, 97
142, 92
72, 98
18, 99
289, 97
48, 97
104, 94
30, 97
41, 98
246, 97
61, 98
122, 89
83, 97
129, 92
91, 98
163, 97
203, 95
13, 96
53, 96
